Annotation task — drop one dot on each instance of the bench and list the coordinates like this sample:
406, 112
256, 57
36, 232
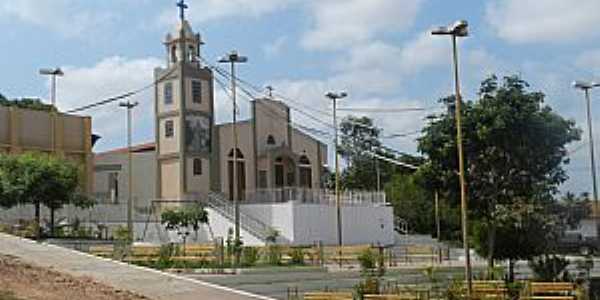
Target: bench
551, 291
421, 253
488, 289
102, 250
392, 297
328, 296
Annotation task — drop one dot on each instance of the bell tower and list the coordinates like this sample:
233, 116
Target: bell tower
184, 122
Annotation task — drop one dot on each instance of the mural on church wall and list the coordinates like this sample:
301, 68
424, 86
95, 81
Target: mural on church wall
197, 134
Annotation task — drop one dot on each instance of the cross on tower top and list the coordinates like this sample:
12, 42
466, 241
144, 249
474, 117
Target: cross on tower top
182, 7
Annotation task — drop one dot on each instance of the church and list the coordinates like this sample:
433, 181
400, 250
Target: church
273, 169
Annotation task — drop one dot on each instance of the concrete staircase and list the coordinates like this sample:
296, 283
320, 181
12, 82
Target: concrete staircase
220, 204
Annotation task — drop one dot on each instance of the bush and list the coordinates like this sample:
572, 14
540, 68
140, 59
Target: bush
250, 256
273, 255
297, 256
367, 260
368, 286
549, 268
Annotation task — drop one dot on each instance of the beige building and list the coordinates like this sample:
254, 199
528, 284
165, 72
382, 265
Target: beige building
70, 136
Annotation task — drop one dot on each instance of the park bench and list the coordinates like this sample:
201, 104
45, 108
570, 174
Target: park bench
488, 289
328, 296
403, 296
102, 250
550, 291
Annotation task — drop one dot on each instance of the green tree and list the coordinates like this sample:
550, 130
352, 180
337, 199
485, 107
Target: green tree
515, 149
411, 202
359, 136
181, 219
27, 103
40, 179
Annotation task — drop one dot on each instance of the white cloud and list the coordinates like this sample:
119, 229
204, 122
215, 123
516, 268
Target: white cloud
209, 10
111, 77
342, 23
556, 21
63, 16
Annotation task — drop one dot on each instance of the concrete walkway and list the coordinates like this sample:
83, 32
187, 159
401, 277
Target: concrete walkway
150, 283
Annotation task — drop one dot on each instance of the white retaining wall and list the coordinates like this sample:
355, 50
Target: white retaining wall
304, 224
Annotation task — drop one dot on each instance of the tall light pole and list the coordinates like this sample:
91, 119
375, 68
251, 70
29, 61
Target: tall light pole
233, 58
586, 87
460, 29
52, 73
129, 106
334, 98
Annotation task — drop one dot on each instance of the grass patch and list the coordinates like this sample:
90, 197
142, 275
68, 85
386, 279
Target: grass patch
8, 295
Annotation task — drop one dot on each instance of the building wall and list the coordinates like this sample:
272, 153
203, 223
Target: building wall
304, 224
69, 136
144, 174
303, 144
271, 118
246, 146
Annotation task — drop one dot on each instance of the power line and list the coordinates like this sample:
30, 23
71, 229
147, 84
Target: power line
382, 110
122, 96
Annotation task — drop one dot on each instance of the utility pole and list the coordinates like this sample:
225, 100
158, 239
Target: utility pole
129, 106
460, 29
52, 73
586, 87
233, 58
334, 98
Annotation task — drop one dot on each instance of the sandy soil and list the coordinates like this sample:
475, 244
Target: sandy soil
22, 281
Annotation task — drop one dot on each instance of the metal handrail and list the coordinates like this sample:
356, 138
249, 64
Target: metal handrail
253, 225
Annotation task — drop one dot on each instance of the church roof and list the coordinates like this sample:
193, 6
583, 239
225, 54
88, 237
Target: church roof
145, 147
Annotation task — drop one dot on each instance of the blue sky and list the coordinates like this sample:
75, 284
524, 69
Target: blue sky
377, 50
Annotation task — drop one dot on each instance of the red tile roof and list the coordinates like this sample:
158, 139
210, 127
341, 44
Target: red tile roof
146, 147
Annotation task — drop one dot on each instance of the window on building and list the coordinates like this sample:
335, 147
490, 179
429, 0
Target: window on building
197, 91
169, 129
168, 93
262, 179
270, 140
305, 171
113, 187
197, 166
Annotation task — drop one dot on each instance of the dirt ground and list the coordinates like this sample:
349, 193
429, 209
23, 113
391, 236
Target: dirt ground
22, 281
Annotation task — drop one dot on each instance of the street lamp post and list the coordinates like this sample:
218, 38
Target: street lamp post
459, 29
334, 98
586, 87
52, 73
129, 106
232, 58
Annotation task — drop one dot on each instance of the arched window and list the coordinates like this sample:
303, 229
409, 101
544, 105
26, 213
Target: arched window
305, 171
239, 154
197, 167
270, 140
174, 53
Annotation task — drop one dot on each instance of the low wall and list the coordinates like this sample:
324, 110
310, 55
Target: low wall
305, 224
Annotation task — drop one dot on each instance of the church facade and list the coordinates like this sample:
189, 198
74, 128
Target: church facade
276, 171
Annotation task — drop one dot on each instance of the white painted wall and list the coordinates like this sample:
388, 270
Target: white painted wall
304, 224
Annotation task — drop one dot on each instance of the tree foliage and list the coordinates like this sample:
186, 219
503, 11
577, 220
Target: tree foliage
40, 179
514, 148
27, 103
359, 136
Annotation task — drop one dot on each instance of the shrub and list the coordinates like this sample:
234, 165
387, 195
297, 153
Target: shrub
549, 268
367, 260
297, 256
368, 286
250, 256
273, 255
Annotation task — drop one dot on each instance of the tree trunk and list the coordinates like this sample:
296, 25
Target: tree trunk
52, 233
511, 270
38, 232
491, 245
